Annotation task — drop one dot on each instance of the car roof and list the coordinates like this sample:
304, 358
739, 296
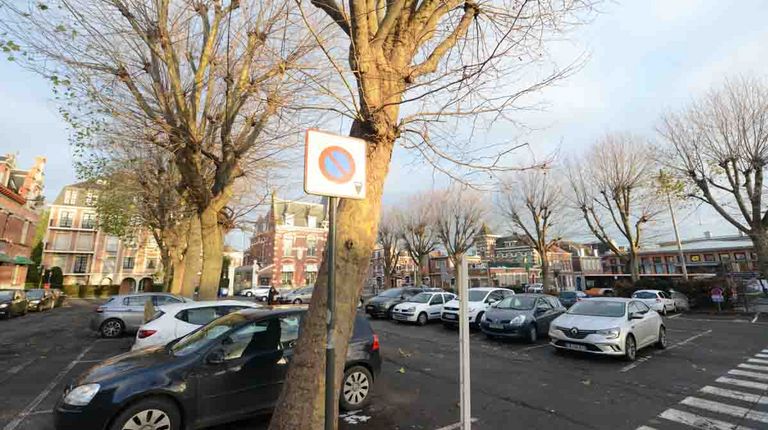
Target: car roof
532, 295
609, 299
266, 311
647, 291
170, 307
487, 289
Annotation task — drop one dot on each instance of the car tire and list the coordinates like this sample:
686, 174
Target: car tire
478, 318
390, 311
156, 412
111, 328
355, 388
422, 319
533, 334
661, 341
664, 310
630, 348
297, 301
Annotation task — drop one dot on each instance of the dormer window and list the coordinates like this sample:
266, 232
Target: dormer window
311, 221
288, 219
70, 197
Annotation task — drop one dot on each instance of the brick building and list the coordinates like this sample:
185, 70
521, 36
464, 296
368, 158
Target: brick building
288, 244
89, 256
21, 198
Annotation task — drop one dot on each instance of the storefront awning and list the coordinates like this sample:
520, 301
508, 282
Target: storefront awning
23, 261
5, 259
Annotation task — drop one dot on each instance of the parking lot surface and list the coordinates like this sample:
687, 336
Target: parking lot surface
714, 375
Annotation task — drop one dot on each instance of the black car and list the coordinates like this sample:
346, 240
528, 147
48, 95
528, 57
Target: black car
12, 303
522, 316
381, 306
40, 299
225, 371
570, 298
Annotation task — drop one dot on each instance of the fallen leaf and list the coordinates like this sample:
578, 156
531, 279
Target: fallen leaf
401, 370
403, 353
586, 382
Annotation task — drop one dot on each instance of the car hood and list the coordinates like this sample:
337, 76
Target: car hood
5, 301
125, 365
588, 322
470, 305
497, 313
379, 300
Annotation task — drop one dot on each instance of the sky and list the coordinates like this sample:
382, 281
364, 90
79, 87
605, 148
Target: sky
644, 58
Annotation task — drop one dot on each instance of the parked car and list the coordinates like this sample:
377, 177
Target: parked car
657, 300
608, 326
422, 307
384, 303
479, 301
298, 296
681, 300
40, 299
521, 316
534, 288
58, 296
569, 298
228, 370
260, 293
179, 319
600, 292
125, 313
12, 303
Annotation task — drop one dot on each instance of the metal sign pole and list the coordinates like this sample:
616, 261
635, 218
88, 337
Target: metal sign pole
330, 353
464, 375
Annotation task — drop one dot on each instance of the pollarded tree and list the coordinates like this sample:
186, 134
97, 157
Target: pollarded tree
459, 217
418, 230
389, 238
719, 145
207, 81
428, 73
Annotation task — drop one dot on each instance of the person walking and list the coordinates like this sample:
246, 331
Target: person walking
271, 295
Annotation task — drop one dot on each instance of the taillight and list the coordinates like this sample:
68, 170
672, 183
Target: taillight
99, 310
146, 333
375, 346
658, 299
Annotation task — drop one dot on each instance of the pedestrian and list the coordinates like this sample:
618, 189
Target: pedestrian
271, 295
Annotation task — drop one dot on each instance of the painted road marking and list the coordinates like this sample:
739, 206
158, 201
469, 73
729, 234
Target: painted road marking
733, 394
40, 397
753, 375
756, 360
761, 355
645, 428
755, 318
723, 408
740, 383
753, 367
698, 421
455, 426
642, 360
674, 316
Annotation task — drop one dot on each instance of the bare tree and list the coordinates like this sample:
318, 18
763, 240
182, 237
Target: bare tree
719, 144
459, 216
429, 73
534, 202
417, 222
390, 240
210, 82
613, 188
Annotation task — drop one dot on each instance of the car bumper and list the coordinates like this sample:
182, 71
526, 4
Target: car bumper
453, 318
376, 311
34, 308
399, 316
592, 344
5, 312
67, 417
514, 331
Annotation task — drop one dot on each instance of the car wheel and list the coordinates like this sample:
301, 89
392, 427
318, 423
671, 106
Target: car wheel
112, 328
149, 414
297, 302
661, 343
422, 319
390, 312
248, 294
533, 334
478, 318
355, 388
664, 310
630, 348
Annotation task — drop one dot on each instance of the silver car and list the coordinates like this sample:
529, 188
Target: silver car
298, 296
125, 313
608, 326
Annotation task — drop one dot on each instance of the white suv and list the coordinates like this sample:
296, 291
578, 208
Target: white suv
479, 301
657, 300
422, 307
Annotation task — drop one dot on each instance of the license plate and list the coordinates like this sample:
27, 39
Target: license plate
576, 346
449, 316
496, 326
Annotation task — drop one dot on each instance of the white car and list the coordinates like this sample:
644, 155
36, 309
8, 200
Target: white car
422, 307
608, 326
658, 300
260, 293
479, 301
174, 321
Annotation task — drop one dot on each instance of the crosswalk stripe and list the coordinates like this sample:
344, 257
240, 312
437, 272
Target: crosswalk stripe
761, 355
645, 427
726, 409
740, 383
753, 375
733, 394
753, 367
756, 360
698, 421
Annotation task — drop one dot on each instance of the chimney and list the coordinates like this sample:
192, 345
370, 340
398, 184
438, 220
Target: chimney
707, 235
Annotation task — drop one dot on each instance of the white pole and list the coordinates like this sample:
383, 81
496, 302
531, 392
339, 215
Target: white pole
464, 375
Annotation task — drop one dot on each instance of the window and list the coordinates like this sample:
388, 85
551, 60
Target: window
494, 296
543, 304
709, 257
310, 278
199, 316
128, 262
437, 299
311, 221
151, 264
89, 221
740, 256
255, 337
725, 257
109, 265
81, 264
61, 241
24, 232
448, 297
289, 330
311, 246
288, 219
111, 243
84, 242
136, 301
287, 278
65, 219
165, 300
658, 267
91, 198
287, 246
70, 197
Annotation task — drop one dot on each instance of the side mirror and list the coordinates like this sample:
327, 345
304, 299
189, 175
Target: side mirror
215, 357
635, 316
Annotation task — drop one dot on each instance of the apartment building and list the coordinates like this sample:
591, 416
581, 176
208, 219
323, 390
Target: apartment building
89, 256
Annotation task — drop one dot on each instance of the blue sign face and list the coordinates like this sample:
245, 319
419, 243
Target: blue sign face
336, 164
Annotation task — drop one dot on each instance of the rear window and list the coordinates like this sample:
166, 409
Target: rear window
362, 330
644, 295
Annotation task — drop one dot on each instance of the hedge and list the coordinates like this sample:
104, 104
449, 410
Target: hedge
697, 290
91, 291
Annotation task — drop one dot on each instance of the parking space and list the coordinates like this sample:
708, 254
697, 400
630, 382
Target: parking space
512, 381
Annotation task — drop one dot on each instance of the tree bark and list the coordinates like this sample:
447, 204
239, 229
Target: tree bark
634, 269
760, 243
178, 275
192, 259
165, 256
213, 253
546, 279
301, 404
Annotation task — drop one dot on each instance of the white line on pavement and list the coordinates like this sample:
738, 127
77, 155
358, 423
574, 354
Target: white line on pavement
40, 397
740, 383
694, 337
753, 367
757, 360
761, 355
47, 411
642, 360
753, 375
765, 351
455, 425
645, 428
733, 394
755, 318
674, 316
533, 347
723, 408
698, 421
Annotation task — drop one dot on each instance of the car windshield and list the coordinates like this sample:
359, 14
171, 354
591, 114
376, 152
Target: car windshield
34, 294
5, 295
396, 292
420, 298
206, 335
598, 308
644, 295
568, 294
477, 296
518, 303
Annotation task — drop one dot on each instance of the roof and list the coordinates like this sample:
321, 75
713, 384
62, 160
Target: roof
713, 244
81, 196
300, 211
201, 304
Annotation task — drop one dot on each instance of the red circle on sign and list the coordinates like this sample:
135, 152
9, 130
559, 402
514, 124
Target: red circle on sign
336, 164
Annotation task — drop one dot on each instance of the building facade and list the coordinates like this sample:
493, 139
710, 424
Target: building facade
288, 244
21, 199
87, 255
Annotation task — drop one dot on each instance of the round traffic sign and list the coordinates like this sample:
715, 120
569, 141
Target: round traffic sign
336, 164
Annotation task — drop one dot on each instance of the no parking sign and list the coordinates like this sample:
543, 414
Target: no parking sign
334, 165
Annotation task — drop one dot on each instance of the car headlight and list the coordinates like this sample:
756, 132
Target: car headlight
3, 306
82, 395
410, 309
34, 302
517, 320
611, 333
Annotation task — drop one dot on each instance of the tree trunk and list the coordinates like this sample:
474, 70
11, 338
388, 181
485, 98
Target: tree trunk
165, 256
634, 269
192, 262
546, 279
760, 243
301, 404
178, 275
213, 253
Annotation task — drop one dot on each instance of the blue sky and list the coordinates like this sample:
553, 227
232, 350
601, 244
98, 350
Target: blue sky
644, 58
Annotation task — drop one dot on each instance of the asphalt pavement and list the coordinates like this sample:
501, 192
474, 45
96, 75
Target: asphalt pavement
714, 375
